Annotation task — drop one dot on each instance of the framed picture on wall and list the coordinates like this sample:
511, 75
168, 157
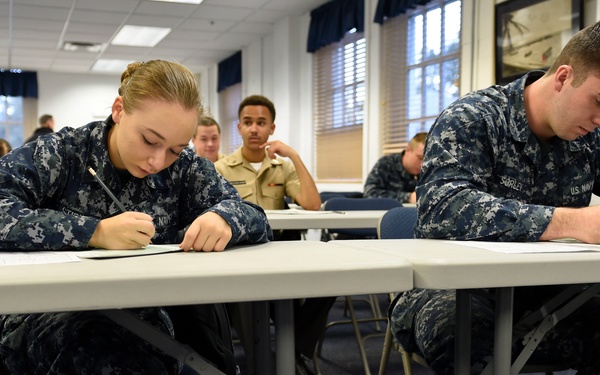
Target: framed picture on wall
531, 33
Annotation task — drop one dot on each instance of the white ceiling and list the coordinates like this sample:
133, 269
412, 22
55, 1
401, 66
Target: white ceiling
201, 34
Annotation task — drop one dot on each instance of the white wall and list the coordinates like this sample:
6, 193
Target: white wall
76, 99
279, 67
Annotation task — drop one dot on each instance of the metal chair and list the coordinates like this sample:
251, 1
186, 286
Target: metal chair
399, 223
354, 204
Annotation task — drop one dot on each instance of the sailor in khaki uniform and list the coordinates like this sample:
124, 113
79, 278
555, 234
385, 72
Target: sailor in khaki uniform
254, 169
266, 187
262, 178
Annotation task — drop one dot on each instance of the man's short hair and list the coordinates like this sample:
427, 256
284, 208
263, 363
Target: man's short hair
257, 100
417, 139
205, 120
582, 53
44, 119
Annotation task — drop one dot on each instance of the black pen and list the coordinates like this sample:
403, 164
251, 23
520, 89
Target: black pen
107, 190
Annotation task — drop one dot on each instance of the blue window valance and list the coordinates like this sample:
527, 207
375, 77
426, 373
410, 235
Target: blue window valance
331, 21
392, 8
230, 71
15, 82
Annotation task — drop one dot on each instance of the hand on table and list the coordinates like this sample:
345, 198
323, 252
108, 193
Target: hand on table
209, 232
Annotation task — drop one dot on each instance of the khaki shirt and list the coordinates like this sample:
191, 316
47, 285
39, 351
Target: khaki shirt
267, 188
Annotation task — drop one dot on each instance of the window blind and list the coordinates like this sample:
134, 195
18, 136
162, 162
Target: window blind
339, 84
229, 101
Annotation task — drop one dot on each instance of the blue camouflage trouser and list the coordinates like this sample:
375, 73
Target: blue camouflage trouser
423, 321
83, 343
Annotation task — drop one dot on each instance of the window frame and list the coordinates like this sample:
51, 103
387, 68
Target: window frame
396, 124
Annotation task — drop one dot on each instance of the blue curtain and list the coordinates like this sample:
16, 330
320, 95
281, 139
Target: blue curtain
392, 8
331, 21
18, 83
230, 71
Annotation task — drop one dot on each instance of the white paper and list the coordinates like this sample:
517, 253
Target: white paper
148, 250
300, 212
530, 247
35, 257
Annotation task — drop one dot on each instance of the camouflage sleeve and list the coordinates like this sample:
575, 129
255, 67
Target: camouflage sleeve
378, 183
452, 193
30, 179
596, 171
213, 193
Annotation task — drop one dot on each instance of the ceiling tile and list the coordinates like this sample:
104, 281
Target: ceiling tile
201, 35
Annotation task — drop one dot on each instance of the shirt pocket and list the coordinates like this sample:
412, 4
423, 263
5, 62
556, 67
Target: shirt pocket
273, 191
245, 191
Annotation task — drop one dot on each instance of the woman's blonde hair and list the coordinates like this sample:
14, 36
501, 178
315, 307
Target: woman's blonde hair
159, 80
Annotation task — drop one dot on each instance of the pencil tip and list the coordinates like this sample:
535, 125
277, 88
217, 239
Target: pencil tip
92, 172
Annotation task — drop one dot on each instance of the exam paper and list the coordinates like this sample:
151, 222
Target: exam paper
530, 247
35, 257
148, 250
293, 211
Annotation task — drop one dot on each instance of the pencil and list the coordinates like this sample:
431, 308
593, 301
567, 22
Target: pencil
107, 190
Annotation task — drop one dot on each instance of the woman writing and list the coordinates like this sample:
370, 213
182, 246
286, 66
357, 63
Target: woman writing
49, 201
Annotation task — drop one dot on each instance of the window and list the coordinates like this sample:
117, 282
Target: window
229, 101
339, 81
421, 66
11, 120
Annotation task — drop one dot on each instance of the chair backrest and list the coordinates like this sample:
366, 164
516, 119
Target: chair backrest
359, 204
326, 195
398, 223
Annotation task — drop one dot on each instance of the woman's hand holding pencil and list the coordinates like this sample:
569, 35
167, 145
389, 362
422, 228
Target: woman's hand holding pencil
128, 230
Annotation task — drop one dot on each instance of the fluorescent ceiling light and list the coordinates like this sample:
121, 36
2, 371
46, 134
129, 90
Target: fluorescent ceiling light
181, 1
140, 36
110, 66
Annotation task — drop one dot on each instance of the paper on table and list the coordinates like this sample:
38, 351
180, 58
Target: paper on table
293, 211
35, 257
530, 247
148, 250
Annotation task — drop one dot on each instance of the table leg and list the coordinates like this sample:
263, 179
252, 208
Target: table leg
462, 335
284, 337
503, 330
262, 342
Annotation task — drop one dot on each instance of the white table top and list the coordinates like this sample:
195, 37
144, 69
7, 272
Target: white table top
275, 270
442, 264
299, 219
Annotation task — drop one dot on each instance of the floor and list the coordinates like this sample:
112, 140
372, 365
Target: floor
340, 354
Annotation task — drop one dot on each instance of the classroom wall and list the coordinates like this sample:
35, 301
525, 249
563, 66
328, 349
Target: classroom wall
278, 67
76, 99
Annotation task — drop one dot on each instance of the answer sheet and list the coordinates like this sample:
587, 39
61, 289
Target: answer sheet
530, 247
148, 250
36, 257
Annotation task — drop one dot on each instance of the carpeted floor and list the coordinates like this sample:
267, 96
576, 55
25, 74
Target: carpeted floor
339, 352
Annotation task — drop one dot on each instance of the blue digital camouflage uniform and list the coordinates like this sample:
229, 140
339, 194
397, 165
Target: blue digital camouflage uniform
486, 176
389, 179
49, 201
